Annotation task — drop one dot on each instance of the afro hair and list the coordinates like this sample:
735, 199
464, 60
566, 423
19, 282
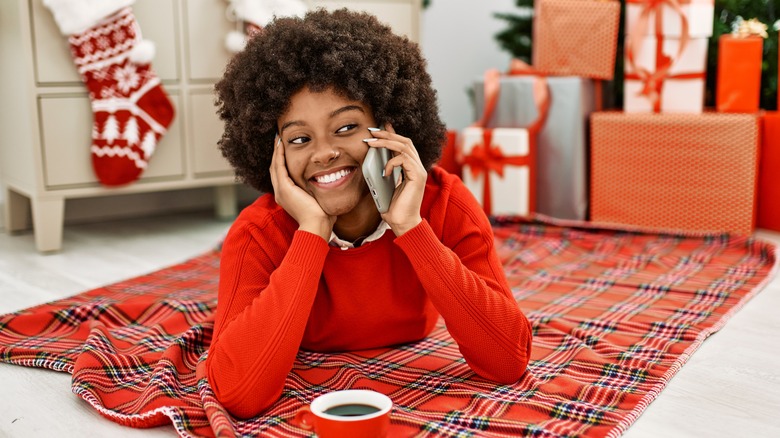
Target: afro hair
349, 52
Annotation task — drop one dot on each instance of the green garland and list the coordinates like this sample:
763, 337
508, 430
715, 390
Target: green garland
516, 39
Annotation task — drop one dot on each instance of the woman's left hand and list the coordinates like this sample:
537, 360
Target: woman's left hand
404, 211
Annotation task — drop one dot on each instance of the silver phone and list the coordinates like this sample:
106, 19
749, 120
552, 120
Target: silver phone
381, 187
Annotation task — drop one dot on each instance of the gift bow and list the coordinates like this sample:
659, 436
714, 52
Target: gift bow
492, 87
653, 81
485, 158
748, 28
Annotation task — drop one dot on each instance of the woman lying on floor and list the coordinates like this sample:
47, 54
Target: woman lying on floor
313, 264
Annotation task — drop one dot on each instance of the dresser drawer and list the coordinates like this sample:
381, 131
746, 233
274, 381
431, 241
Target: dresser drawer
205, 28
54, 63
206, 130
66, 127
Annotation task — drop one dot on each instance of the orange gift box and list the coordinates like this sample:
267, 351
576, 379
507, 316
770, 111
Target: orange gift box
675, 172
769, 173
576, 37
738, 86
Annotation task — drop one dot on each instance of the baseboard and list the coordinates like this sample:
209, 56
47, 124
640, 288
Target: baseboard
99, 209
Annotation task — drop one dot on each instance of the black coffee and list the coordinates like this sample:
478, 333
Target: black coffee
351, 410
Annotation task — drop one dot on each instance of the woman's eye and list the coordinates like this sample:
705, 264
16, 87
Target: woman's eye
299, 140
346, 128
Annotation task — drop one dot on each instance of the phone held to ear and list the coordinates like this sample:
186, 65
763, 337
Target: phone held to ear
381, 187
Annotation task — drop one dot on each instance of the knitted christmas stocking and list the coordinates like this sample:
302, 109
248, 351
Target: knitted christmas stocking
252, 15
130, 108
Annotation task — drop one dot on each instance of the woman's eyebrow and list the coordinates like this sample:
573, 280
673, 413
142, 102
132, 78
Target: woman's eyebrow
347, 108
343, 109
291, 123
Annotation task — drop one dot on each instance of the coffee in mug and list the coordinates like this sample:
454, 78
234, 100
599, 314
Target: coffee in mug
354, 413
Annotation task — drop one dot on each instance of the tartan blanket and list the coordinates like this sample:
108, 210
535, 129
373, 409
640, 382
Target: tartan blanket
615, 315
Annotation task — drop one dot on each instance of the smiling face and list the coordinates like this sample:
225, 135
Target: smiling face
323, 134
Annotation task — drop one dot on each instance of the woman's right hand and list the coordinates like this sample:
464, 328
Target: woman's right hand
295, 201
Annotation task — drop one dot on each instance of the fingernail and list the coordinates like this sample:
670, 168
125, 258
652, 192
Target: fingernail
383, 173
369, 140
372, 129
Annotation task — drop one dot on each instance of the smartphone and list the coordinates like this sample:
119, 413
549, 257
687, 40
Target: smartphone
381, 187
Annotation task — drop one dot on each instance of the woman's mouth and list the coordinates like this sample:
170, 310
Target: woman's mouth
330, 178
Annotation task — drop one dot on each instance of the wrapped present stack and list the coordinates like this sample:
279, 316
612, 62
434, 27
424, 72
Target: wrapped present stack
574, 46
663, 161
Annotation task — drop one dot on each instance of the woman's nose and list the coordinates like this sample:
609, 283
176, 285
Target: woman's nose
325, 154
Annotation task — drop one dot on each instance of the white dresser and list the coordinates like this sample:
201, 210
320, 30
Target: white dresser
46, 119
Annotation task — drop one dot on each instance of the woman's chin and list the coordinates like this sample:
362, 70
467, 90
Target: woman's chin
332, 208
340, 207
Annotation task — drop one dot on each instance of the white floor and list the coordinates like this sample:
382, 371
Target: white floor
729, 387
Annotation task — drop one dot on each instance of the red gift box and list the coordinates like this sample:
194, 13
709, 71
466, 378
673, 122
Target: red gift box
769, 173
738, 88
675, 172
448, 159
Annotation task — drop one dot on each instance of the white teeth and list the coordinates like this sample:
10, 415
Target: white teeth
331, 177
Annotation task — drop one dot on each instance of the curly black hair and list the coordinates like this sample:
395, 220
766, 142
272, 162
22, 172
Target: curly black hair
349, 52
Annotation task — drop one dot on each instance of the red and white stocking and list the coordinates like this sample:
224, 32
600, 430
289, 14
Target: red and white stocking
130, 108
252, 15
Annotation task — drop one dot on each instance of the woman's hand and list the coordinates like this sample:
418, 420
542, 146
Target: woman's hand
404, 211
295, 201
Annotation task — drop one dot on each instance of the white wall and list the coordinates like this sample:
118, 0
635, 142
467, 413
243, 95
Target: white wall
458, 41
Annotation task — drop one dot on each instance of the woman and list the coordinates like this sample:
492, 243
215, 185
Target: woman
312, 264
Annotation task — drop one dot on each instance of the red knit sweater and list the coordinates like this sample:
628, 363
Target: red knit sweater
282, 289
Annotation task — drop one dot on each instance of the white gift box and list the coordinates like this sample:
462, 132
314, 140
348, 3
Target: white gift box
699, 14
681, 90
512, 193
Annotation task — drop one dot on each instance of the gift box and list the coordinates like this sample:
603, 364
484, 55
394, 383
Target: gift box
666, 55
738, 87
561, 152
576, 37
656, 82
650, 18
498, 167
448, 159
675, 172
769, 173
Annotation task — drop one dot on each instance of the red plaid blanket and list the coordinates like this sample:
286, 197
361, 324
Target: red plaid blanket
615, 315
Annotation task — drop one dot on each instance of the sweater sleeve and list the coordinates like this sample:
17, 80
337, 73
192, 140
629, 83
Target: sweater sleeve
465, 281
265, 298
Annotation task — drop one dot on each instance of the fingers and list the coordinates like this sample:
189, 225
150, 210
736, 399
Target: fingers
278, 168
392, 141
405, 155
276, 157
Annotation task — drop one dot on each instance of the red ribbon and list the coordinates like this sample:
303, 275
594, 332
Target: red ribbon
492, 87
485, 158
653, 81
